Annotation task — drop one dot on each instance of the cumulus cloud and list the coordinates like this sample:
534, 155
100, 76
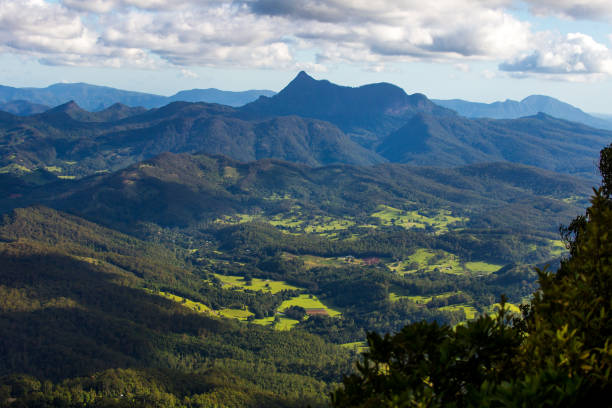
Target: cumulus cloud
58, 36
575, 9
573, 55
273, 33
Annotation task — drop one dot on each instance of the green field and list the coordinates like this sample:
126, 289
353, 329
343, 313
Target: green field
470, 311
307, 302
420, 300
14, 168
482, 267
264, 285
312, 261
285, 324
427, 260
240, 314
438, 220
190, 304
358, 346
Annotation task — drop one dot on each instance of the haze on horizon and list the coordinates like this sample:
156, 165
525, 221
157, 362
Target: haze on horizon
470, 49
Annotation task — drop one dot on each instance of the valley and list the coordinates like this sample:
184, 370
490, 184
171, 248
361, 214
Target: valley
241, 256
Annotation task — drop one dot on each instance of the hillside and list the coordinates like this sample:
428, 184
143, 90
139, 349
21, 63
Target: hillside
540, 140
81, 304
22, 108
531, 105
76, 142
180, 189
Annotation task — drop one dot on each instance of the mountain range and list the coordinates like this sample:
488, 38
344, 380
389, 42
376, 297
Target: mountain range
310, 121
95, 98
531, 105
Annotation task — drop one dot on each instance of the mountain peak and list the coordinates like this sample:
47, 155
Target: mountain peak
300, 82
69, 106
303, 76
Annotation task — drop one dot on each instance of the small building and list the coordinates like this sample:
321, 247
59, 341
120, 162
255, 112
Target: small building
317, 312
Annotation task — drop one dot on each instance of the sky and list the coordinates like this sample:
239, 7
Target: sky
480, 50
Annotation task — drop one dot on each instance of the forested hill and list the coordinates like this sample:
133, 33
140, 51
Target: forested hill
539, 140
81, 304
182, 189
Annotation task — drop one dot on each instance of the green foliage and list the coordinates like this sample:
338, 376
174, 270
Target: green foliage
558, 354
430, 365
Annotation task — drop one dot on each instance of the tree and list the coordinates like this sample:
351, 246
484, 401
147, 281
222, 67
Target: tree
558, 354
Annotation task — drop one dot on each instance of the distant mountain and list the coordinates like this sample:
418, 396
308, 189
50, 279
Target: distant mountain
80, 142
529, 106
539, 140
22, 108
213, 95
90, 97
310, 122
367, 112
113, 113
95, 98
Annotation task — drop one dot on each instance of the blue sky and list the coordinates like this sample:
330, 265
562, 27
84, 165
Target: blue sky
482, 50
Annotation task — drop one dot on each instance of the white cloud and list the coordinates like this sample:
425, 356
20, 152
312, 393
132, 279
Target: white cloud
270, 33
575, 9
575, 56
186, 73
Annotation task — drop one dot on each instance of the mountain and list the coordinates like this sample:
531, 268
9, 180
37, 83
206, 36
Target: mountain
113, 113
90, 97
78, 142
367, 112
529, 106
213, 95
310, 121
95, 98
539, 140
22, 108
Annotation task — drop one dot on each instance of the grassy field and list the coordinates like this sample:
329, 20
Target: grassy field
358, 346
438, 220
240, 314
557, 248
482, 267
307, 302
285, 324
420, 300
427, 260
264, 285
470, 311
190, 304
311, 261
